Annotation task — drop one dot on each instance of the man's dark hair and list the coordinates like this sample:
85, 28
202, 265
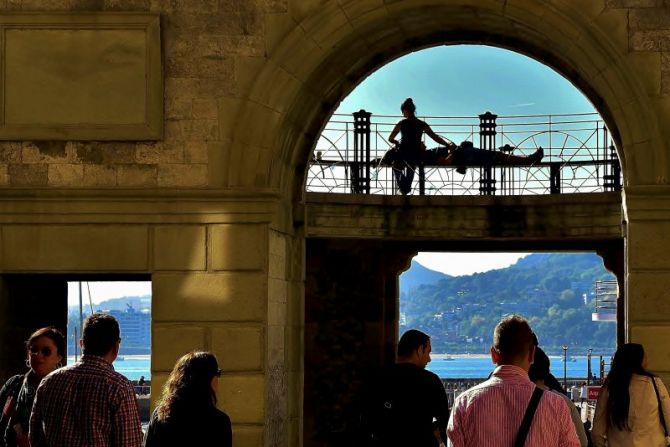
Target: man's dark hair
539, 370
513, 338
411, 341
100, 334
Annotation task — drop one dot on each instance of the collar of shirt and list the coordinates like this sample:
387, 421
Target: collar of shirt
511, 373
97, 361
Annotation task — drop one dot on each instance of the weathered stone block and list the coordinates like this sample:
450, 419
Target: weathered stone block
76, 248
137, 175
99, 175
66, 174
180, 247
203, 130
633, 3
117, 152
4, 175
189, 175
210, 297
650, 40
157, 153
644, 251
248, 436
10, 152
238, 247
649, 336
28, 175
127, 5
177, 108
205, 109
242, 397
277, 290
48, 152
196, 152
171, 341
238, 348
665, 82
649, 19
647, 296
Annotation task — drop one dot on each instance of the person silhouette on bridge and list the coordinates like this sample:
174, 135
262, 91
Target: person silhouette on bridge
410, 149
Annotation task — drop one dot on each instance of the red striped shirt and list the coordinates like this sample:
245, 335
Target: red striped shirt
490, 414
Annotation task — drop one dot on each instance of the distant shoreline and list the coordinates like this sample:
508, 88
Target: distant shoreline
125, 356
461, 356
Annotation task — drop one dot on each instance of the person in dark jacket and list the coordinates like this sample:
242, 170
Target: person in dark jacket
187, 413
45, 351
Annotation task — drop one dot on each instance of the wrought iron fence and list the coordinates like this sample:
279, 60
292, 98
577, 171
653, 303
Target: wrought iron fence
579, 156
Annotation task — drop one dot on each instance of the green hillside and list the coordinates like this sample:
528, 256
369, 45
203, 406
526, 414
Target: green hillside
554, 291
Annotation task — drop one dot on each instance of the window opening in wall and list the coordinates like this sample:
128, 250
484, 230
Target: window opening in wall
458, 298
502, 102
130, 303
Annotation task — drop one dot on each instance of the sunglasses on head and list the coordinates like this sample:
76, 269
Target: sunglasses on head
218, 372
46, 351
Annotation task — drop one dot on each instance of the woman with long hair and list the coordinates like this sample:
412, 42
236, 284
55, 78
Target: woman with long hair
187, 413
45, 350
632, 404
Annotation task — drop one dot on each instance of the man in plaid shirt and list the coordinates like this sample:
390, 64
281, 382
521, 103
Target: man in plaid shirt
88, 404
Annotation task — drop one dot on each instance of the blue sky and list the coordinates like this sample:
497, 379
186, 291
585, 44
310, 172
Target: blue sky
459, 80
466, 80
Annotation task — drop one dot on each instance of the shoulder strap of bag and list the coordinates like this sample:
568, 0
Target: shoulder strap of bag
660, 407
528, 417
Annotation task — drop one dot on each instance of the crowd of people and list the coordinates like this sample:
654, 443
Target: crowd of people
520, 404
90, 404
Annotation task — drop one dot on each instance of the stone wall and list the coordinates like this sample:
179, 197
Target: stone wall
213, 210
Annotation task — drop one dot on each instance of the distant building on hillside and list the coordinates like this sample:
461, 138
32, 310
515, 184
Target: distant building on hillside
135, 329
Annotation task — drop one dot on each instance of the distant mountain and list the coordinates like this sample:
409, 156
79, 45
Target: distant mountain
418, 275
555, 291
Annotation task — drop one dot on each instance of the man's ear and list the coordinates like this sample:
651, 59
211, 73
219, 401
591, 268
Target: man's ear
495, 355
531, 355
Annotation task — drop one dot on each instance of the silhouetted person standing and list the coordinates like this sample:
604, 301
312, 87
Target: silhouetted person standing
410, 147
88, 403
403, 400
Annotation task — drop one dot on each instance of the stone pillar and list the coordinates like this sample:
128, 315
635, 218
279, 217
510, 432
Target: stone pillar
351, 326
27, 303
613, 258
210, 292
648, 273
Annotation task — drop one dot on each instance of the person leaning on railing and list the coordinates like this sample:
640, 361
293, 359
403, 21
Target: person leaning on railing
410, 149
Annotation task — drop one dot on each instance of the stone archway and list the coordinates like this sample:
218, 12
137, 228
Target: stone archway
319, 52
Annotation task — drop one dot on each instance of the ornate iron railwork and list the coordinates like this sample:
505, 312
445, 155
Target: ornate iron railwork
579, 156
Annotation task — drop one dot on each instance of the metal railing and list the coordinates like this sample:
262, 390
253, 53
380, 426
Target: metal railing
579, 156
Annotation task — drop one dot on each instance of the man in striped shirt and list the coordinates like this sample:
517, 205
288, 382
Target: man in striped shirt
88, 404
490, 413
